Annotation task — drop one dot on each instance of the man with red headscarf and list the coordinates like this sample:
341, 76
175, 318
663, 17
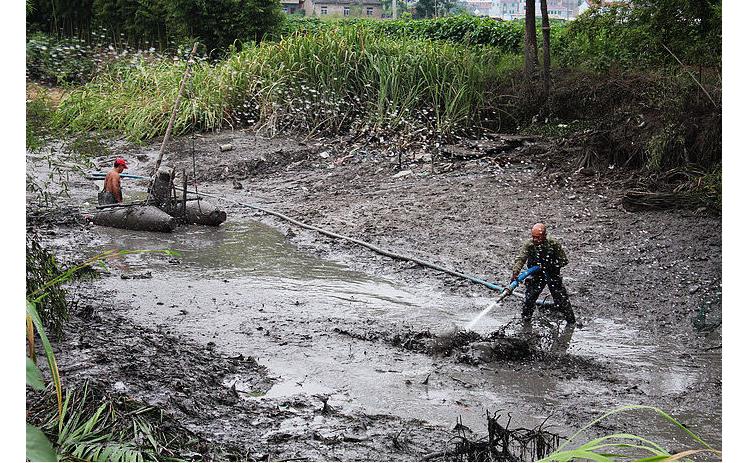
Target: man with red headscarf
549, 255
112, 193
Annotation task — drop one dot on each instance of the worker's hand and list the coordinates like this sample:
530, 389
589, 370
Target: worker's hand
513, 278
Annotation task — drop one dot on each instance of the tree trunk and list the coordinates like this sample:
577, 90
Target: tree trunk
545, 45
530, 47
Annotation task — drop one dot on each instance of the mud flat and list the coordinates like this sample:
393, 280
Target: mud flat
328, 321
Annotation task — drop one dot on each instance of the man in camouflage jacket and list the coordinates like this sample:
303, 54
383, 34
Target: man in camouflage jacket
550, 256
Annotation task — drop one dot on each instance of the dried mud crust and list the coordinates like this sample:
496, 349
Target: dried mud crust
211, 396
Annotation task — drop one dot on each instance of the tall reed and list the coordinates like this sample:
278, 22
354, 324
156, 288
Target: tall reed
347, 78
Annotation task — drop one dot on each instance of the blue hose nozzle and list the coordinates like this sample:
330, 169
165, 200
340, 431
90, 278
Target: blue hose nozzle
514, 284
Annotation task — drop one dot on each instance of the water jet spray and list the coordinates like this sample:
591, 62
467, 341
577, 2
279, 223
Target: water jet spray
507, 291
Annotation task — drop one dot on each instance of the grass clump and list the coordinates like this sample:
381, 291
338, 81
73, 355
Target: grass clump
95, 426
41, 267
349, 78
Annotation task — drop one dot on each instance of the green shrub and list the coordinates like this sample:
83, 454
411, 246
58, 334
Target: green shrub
506, 36
157, 23
642, 34
58, 61
41, 267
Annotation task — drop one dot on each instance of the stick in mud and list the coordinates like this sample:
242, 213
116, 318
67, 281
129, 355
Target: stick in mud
501, 443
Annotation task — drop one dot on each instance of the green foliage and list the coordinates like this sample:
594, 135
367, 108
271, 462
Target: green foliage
668, 142
642, 33
387, 6
41, 267
87, 441
219, 23
58, 61
433, 8
139, 23
38, 447
157, 23
628, 447
710, 186
33, 375
506, 36
33, 315
71, 18
328, 81
92, 428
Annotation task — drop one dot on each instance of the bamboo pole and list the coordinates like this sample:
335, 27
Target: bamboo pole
175, 109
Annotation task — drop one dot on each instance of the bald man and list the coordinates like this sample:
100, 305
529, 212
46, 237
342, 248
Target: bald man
550, 256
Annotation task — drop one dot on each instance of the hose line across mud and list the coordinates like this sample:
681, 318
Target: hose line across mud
367, 245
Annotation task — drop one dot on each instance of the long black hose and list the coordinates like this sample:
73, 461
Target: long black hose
370, 246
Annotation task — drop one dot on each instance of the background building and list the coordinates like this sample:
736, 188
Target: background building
291, 6
514, 9
371, 9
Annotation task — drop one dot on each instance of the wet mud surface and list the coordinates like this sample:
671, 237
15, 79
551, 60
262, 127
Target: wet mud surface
294, 319
217, 397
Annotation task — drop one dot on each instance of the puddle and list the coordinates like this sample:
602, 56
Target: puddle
243, 287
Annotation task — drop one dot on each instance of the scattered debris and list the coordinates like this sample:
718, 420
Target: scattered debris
403, 173
501, 443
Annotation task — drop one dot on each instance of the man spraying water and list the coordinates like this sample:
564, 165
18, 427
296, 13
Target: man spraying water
549, 256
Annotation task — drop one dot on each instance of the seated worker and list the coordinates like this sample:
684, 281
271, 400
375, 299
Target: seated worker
112, 192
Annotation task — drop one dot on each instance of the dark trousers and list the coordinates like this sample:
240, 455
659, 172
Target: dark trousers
534, 286
105, 197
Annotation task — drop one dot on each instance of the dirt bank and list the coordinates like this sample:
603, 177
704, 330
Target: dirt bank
644, 278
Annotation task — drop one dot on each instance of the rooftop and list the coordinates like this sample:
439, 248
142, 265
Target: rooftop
346, 2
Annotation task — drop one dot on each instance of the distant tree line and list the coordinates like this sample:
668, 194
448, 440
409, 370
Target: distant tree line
158, 23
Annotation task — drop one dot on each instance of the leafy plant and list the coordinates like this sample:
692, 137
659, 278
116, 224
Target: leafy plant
58, 60
506, 36
38, 447
41, 267
644, 33
86, 431
628, 447
151, 24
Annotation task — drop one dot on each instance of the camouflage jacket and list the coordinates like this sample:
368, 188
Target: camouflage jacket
548, 255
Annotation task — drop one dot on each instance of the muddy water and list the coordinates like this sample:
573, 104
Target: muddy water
243, 287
